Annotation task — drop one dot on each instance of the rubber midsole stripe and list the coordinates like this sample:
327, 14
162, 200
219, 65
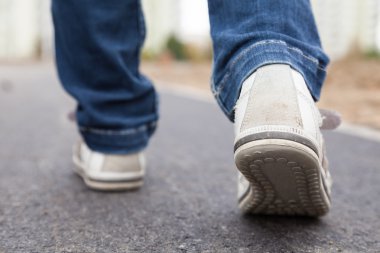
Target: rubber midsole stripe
276, 135
132, 180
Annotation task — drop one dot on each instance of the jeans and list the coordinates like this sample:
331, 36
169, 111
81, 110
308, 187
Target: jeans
97, 55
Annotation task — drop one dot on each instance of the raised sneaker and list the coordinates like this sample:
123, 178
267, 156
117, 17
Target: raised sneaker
279, 148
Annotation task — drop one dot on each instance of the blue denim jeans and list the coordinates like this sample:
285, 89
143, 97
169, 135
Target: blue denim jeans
97, 54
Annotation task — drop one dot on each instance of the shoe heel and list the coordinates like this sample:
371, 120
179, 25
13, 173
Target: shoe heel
285, 179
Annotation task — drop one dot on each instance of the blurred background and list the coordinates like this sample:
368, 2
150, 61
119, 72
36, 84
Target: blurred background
177, 51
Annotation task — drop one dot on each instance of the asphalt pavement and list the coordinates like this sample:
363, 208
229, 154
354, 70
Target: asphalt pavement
188, 202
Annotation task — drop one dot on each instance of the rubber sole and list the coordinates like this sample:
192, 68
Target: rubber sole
107, 185
286, 178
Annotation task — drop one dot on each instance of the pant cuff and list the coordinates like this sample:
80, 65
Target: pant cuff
125, 141
263, 53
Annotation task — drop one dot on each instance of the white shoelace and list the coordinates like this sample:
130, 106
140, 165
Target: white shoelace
330, 119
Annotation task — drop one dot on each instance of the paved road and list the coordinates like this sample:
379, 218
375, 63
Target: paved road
188, 203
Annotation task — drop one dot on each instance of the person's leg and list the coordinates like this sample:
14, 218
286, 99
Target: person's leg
268, 70
249, 34
97, 54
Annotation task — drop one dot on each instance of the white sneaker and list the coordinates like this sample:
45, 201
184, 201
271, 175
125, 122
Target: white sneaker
279, 148
108, 172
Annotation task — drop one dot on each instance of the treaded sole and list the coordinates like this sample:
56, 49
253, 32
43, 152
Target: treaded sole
112, 186
285, 179
108, 185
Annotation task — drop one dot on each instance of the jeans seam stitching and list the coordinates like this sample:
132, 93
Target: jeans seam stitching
265, 42
129, 131
278, 51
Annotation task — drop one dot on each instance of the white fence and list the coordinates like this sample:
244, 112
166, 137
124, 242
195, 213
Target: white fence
26, 30
349, 23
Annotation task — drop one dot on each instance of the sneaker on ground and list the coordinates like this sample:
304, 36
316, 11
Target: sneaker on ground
279, 149
108, 172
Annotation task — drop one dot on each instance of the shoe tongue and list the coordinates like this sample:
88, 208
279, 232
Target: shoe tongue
330, 119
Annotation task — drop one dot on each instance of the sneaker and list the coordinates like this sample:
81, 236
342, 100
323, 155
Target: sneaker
108, 172
279, 149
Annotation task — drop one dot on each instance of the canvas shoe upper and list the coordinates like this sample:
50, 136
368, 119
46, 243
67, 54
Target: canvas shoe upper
109, 172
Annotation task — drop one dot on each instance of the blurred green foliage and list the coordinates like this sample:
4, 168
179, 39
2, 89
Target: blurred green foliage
176, 48
372, 54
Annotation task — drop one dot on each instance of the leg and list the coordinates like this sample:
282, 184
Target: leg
269, 68
250, 34
97, 50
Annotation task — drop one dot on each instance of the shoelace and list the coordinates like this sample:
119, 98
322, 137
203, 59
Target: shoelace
330, 119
